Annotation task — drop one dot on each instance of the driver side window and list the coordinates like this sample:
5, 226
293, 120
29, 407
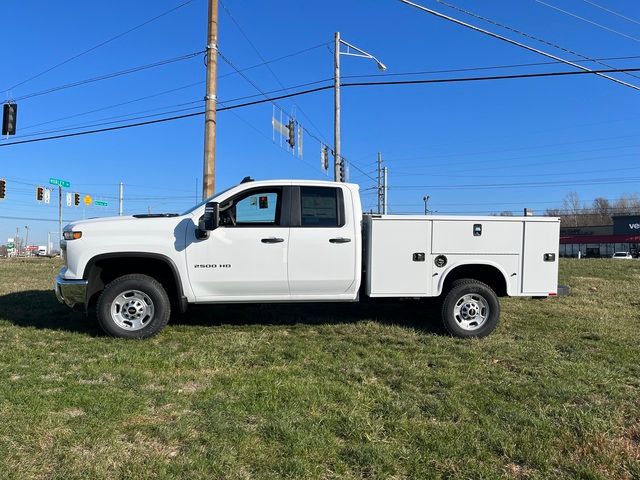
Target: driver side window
254, 208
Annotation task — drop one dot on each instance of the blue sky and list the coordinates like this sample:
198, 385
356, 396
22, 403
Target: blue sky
435, 139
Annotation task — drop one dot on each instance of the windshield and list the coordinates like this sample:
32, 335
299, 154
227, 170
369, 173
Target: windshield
620, 254
207, 200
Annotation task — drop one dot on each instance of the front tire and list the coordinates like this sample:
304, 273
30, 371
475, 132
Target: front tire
133, 306
470, 309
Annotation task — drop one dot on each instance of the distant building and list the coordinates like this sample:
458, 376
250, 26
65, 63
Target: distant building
602, 240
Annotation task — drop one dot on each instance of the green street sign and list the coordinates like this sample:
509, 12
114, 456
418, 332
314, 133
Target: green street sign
61, 183
98, 203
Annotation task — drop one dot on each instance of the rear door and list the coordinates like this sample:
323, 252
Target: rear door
322, 243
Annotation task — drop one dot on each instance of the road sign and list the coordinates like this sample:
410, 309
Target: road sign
69, 199
61, 183
87, 200
47, 195
99, 203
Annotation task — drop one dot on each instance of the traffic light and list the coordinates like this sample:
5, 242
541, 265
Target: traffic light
292, 133
76, 199
341, 168
39, 193
9, 118
3, 188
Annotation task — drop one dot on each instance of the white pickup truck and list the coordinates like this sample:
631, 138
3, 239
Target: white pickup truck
301, 241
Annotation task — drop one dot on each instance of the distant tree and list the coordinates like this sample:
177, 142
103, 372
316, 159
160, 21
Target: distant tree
506, 213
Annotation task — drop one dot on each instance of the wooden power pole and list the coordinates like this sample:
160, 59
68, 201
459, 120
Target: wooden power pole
209, 170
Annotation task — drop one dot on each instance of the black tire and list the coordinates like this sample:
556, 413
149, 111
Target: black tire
148, 307
463, 307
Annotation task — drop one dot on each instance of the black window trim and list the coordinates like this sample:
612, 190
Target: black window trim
296, 207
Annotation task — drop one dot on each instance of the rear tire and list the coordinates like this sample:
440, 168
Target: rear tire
133, 306
470, 310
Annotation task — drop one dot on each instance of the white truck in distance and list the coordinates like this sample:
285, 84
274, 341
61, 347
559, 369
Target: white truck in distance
301, 241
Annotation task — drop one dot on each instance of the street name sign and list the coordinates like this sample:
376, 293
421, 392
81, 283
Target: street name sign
60, 183
99, 203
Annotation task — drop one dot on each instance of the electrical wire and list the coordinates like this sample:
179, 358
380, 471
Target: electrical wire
477, 69
266, 64
527, 35
599, 25
108, 76
562, 183
612, 12
516, 43
101, 44
314, 90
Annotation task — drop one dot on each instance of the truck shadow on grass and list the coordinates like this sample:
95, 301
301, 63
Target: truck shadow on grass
40, 309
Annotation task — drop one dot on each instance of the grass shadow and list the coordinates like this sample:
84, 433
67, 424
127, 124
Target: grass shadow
420, 315
40, 309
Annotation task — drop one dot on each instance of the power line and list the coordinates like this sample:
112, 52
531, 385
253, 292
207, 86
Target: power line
101, 44
120, 120
519, 32
475, 186
612, 12
514, 42
108, 76
319, 89
266, 64
599, 25
492, 67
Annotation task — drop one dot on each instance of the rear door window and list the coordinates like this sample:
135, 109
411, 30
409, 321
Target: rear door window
321, 207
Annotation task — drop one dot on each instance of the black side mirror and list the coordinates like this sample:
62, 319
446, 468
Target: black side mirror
211, 217
209, 221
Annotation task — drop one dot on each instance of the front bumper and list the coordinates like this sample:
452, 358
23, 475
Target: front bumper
70, 292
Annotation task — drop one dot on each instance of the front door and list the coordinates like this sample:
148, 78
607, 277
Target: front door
245, 258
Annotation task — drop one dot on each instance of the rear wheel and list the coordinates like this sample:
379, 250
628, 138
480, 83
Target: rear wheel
133, 306
470, 309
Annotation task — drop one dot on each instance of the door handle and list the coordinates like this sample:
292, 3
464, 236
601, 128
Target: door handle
339, 240
272, 240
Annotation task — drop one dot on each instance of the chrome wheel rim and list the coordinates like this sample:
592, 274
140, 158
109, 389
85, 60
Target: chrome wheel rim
471, 311
132, 310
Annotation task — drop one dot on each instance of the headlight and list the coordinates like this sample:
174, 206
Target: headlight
71, 235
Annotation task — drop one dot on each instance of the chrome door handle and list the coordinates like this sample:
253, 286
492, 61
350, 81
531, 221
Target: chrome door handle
272, 240
339, 240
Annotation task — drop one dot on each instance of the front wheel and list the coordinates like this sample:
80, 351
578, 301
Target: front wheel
470, 309
133, 306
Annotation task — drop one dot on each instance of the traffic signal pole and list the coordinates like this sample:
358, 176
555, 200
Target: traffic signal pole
209, 168
60, 211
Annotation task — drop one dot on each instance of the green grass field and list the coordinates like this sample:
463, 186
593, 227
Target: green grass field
322, 391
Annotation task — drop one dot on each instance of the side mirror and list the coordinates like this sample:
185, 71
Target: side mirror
209, 221
211, 217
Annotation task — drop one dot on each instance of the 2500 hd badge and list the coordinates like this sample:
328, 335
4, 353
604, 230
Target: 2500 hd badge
212, 265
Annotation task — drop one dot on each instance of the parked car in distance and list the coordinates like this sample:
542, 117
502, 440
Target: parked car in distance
622, 256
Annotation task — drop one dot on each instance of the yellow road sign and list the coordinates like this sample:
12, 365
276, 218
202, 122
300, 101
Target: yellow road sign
87, 200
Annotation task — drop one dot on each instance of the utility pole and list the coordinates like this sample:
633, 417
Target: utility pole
60, 211
379, 162
385, 188
26, 242
209, 168
120, 198
425, 199
337, 160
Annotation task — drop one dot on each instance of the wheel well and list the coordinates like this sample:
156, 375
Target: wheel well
484, 273
102, 271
